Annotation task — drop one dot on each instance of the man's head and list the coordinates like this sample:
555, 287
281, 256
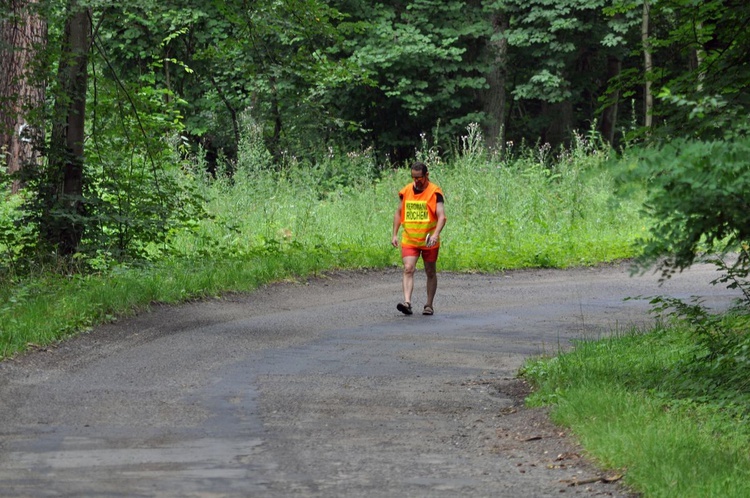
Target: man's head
420, 175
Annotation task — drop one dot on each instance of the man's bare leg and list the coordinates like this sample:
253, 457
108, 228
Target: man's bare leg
410, 265
430, 270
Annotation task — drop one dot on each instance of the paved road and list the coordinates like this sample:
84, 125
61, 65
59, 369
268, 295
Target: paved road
317, 389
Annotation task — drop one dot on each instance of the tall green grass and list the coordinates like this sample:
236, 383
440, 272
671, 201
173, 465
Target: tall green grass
519, 211
534, 211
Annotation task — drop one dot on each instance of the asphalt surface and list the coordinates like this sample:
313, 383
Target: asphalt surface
320, 389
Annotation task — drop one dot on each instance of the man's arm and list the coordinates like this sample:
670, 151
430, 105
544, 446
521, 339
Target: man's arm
441, 219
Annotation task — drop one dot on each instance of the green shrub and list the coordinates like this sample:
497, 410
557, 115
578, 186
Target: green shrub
697, 197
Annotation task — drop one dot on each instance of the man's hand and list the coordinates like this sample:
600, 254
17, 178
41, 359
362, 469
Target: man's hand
431, 240
394, 241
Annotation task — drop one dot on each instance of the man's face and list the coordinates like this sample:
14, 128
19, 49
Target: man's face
420, 179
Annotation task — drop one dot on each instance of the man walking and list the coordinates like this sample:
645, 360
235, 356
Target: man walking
421, 211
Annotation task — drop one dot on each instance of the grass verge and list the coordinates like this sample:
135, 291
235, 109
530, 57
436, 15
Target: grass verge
655, 406
47, 309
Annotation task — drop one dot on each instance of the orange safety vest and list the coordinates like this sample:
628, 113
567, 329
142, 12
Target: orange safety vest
418, 214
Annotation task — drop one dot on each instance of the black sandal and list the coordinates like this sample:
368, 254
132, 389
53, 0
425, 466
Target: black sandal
428, 310
404, 308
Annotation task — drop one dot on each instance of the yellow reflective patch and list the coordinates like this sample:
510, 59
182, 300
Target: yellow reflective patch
416, 211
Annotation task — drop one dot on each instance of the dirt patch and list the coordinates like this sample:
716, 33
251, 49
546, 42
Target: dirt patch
528, 435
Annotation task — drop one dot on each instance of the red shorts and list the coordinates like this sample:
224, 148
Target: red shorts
429, 254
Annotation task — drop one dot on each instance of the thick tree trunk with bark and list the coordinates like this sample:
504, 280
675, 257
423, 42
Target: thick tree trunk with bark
494, 98
68, 129
22, 35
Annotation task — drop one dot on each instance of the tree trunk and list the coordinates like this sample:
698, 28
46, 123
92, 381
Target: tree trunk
494, 98
609, 115
22, 35
274, 142
700, 56
648, 65
559, 115
68, 129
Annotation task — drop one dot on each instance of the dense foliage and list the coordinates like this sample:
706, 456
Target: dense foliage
698, 199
